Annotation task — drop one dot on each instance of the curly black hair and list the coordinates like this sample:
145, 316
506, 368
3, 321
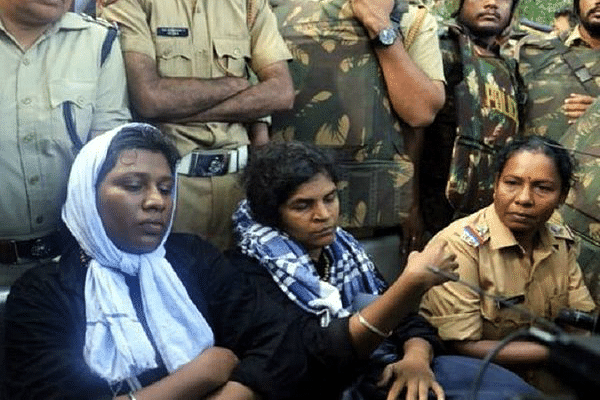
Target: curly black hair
276, 170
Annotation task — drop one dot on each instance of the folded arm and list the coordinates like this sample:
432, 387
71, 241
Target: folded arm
202, 100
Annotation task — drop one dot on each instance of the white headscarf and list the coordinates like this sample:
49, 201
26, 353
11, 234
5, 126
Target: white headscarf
116, 345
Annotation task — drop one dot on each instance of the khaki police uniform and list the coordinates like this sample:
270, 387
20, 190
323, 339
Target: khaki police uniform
52, 96
202, 39
424, 51
489, 257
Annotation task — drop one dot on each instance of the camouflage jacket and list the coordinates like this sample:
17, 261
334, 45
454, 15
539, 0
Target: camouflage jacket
553, 68
342, 104
581, 210
480, 116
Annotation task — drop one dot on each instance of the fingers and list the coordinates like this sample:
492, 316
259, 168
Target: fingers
579, 98
576, 105
396, 389
438, 390
423, 390
386, 376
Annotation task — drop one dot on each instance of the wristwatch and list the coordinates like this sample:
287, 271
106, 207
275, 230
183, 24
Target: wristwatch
386, 37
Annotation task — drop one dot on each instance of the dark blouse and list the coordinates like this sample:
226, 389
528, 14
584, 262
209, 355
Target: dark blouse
284, 353
307, 361
45, 323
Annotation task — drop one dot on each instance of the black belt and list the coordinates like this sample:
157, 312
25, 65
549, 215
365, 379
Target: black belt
18, 251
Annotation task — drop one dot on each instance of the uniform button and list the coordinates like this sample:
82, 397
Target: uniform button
34, 179
26, 61
39, 219
26, 100
237, 52
80, 100
28, 138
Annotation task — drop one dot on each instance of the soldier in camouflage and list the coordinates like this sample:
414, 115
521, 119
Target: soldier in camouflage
562, 73
479, 117
581, 210
366, 73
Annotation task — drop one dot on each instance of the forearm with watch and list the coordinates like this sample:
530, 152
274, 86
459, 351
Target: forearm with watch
413, 95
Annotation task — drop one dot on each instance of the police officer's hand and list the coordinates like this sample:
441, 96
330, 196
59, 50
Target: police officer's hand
373, 14
576, 105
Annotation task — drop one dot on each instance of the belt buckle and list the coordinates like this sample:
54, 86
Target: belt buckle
209, 164
39, 249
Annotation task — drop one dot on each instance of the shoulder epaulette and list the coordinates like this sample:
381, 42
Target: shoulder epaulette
475, 235
542, 41
99, 21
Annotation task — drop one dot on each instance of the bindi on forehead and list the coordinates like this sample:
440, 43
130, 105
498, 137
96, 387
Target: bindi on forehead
128, 157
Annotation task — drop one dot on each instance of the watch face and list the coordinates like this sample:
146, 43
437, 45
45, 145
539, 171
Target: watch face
387, 36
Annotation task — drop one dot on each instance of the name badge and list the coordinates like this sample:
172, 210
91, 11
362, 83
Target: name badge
173, 32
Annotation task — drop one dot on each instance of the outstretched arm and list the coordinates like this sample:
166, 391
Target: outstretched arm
402, 297
414, 96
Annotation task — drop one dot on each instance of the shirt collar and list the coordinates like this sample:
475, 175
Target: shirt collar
69, 21
575, 37
502, 237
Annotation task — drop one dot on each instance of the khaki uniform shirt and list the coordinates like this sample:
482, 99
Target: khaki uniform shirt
35, 149
489, 257
200, 39
425, 50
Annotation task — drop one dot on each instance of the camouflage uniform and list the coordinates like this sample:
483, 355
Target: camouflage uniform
461, 143
582, 208
544, 66
342, 103
550, 79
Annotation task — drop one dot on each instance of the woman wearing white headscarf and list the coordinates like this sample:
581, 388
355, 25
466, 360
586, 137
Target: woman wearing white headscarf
121, 314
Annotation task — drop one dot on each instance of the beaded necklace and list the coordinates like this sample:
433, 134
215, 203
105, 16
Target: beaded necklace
323, 267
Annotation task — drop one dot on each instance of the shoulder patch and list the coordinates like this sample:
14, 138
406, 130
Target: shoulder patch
560, 231
476, 235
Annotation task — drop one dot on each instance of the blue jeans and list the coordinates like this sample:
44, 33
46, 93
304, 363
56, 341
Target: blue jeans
456, 374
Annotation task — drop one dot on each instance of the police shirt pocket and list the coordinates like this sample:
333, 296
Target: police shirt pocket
231, 55
174, 57
72, 104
